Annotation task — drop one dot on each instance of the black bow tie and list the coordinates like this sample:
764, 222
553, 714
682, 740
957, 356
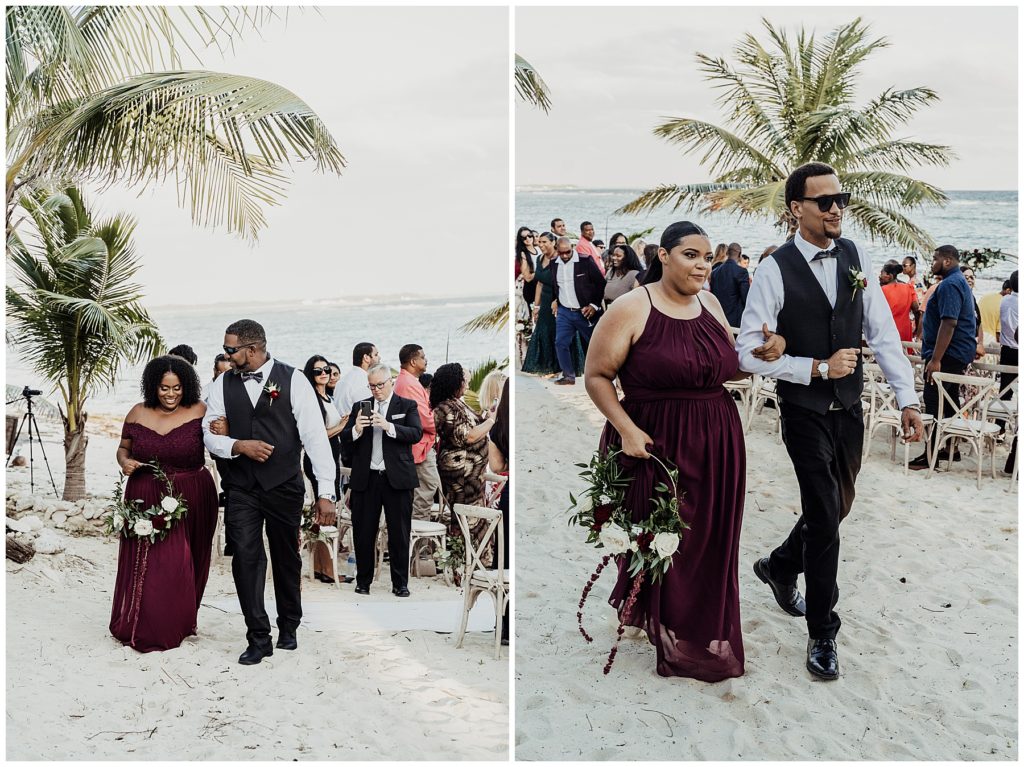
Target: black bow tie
821, 254
257, 377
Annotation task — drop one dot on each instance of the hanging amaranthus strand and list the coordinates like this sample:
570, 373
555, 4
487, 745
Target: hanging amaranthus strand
586, 593
627, 609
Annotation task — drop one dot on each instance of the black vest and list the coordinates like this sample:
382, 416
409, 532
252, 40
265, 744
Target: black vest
271, 421
813, 328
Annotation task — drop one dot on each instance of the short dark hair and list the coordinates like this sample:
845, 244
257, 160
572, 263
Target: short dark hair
893, 270
1013, 281
585, 224
948, 251
965, 268
911, 259
247, 331
796, 183
446, 383
154, 373
186, 353
426, 379
359, 351
555, 221
408, 352
735, 247
1007, 285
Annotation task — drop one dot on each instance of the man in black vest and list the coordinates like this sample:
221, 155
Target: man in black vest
814, 292
272, 414
383, 474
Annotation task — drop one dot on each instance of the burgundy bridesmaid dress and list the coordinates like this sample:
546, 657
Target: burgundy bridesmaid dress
159, 586
672, 381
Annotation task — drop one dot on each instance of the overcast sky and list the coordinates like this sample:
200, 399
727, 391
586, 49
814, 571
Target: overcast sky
615, 73
418, 100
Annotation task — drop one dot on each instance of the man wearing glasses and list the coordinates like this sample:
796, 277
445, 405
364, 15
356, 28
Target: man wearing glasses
382, 430
579, 291
817, 291
271, 414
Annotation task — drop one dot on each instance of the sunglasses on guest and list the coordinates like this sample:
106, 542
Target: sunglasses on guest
826, 201
321, 371
234, 349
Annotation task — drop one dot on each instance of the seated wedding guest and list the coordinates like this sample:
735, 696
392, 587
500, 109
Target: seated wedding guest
351, 387
413, 360
186, 353
902, 300
622, 273
968, 273
383, 475
155, 604
497, 458
318, 372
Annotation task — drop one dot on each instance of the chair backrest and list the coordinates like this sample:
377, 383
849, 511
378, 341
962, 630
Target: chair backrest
979, 402
993, 371
911, 346
345, 471
493, 495
880, 394
475, 551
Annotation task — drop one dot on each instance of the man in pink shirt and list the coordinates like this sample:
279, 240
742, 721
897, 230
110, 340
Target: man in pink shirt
585, 247
414, 363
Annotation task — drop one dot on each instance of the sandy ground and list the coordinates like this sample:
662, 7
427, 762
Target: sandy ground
74, 692
929, 665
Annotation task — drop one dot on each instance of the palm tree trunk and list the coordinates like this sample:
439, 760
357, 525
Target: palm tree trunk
75, 443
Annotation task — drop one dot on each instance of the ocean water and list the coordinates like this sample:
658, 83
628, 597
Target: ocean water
296, 331
969, 220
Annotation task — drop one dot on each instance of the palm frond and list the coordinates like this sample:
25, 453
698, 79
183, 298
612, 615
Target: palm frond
530, 87
492, 320
891, 226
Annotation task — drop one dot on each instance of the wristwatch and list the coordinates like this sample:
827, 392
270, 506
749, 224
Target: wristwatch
823, 370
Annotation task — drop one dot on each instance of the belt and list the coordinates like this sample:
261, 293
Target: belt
379, 472
568, 309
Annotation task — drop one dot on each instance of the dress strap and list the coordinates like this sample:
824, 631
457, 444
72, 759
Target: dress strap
648, 295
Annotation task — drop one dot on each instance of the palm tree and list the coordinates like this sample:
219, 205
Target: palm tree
85, 104
792, 103
74, 313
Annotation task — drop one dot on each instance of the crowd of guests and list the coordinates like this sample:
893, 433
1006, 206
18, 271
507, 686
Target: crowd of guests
413, 446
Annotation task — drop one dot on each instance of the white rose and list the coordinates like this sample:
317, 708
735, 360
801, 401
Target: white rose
143, 528
117, 520
666, 544
520, 327
634, 546
614, 538
169, 503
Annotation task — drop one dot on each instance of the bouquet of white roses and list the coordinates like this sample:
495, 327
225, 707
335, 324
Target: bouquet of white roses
133, 519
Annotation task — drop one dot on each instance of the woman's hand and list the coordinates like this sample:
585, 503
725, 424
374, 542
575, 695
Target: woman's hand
219, 426
774, 346
635, 442
129, 466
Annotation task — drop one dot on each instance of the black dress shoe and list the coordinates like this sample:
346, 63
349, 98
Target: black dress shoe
286, 641
323, 578
362, 589
254, 654
400, 592
822, 658
566, 382
921, 462
787, 595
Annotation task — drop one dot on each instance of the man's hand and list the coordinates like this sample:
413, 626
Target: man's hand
379, 421
773, 347
256, 449
362, 421
913, 426
588, 311
219, 426
980, 351
933, 366
326, 512
842, 363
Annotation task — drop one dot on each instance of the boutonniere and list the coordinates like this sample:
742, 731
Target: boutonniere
857, 280
272, 390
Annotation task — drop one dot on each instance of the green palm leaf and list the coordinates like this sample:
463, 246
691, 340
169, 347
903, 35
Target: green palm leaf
530, 87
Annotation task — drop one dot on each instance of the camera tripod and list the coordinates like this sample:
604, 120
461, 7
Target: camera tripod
30, 419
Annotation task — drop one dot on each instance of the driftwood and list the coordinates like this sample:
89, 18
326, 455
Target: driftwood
19, 551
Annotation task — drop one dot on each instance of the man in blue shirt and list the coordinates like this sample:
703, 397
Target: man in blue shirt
948, 340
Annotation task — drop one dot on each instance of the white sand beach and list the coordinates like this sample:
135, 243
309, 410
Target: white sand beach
361, 686
928, 647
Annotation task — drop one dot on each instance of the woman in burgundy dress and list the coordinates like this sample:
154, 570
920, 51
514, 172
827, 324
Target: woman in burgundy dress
669, 344
159, 586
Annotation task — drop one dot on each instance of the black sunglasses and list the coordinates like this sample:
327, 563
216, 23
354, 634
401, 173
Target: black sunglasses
564, 252
234, 349
321, 371
826, 201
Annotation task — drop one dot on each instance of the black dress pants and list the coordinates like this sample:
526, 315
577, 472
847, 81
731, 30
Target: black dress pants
366, 506
826, 453
281, 510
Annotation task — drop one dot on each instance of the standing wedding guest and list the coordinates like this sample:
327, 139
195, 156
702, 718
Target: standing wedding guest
318, 372
585, 248
352, 386
527, 255
650, 253
979, 332
497, 459
902, 300
989, 306
271, 414
810, 291
540, 357
910, 269
425, 380
670, 348
767, 252
730, 284
558, 227
332, 383
413, 360
221, 364
490, 391
617, 239
1008, 313
622, 273
159, 586
948, 336
383, 475
186, 353
578, 294
639, 246
461, 437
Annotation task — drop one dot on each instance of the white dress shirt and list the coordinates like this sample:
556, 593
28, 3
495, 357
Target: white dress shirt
382, 408
1008, 309
307, 419
566, 280
352, 387
765, 301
